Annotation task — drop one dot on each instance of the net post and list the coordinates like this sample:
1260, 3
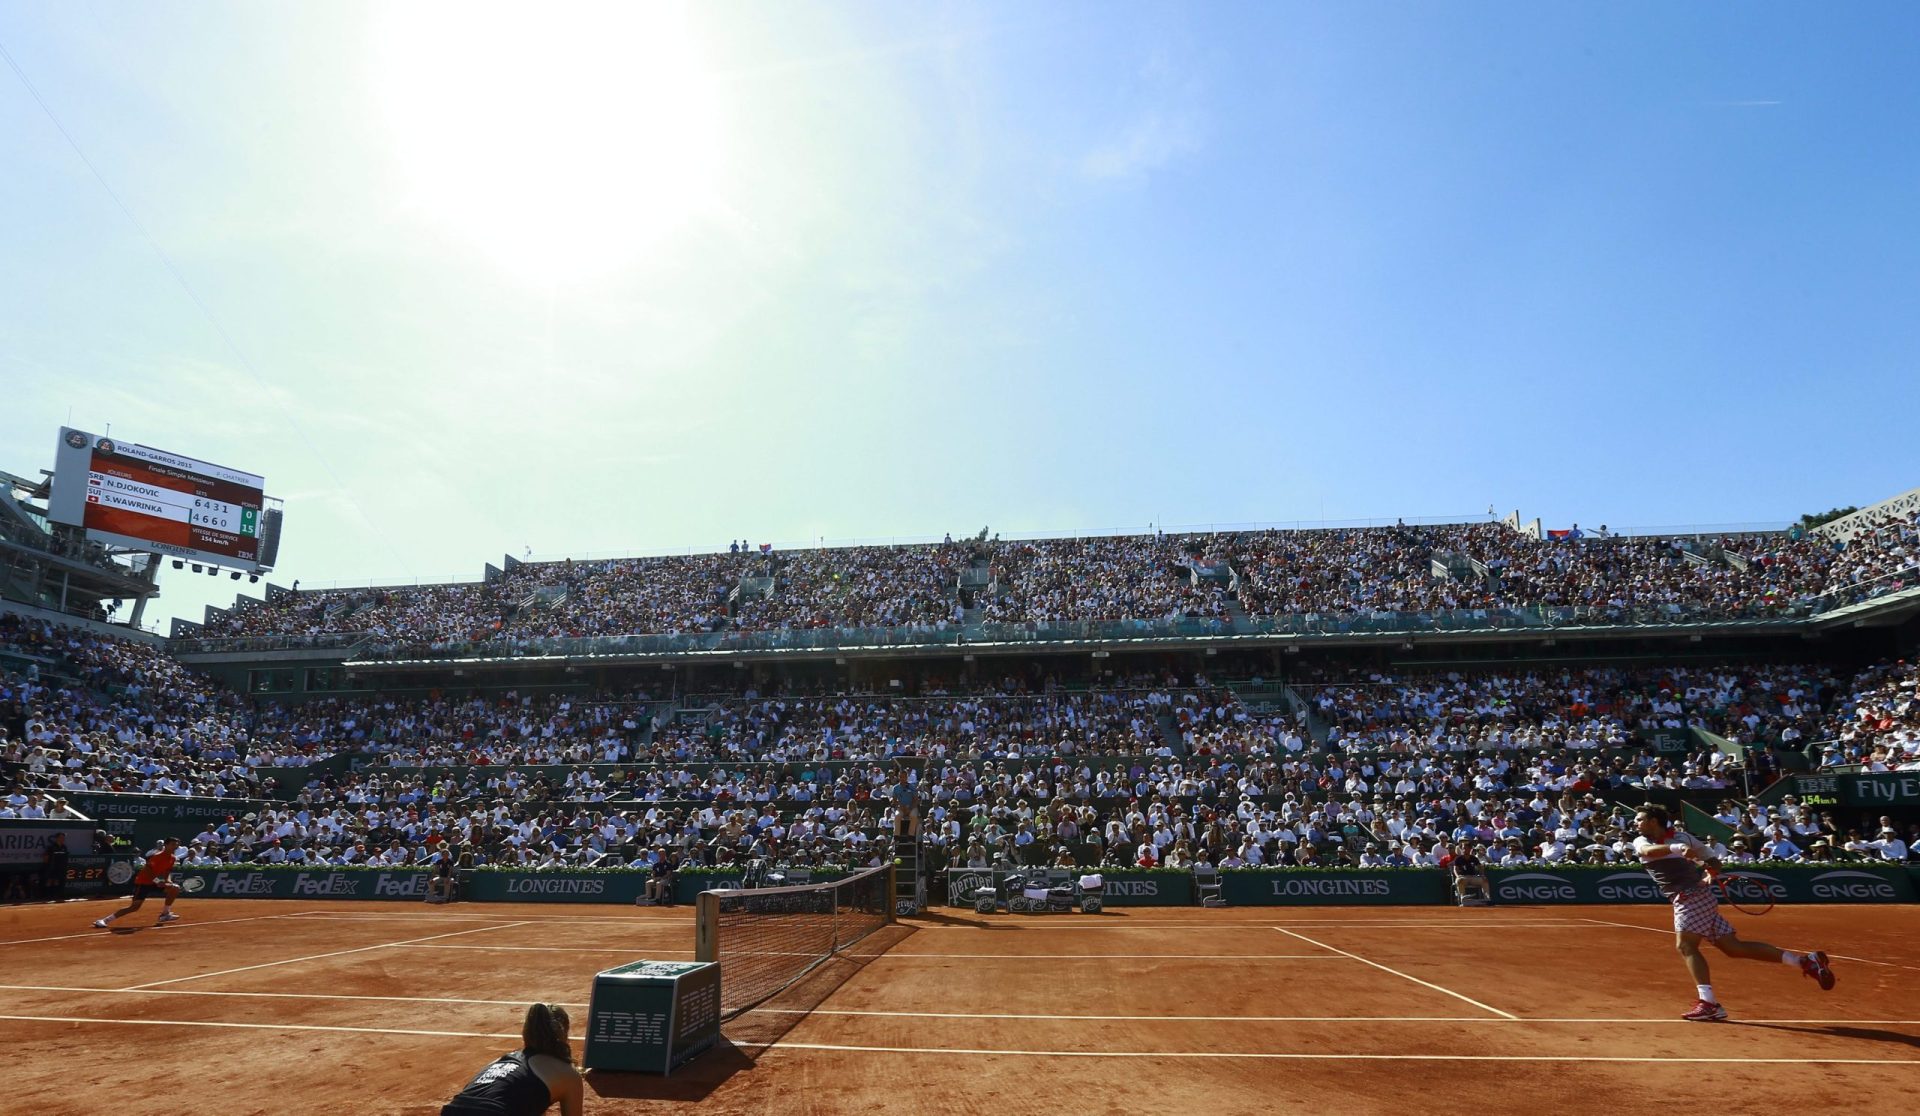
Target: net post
893, 887
706, 927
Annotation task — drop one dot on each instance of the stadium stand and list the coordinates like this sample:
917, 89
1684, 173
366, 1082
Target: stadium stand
1217, 578
502, 747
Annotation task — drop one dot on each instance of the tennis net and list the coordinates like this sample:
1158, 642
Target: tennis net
766, 938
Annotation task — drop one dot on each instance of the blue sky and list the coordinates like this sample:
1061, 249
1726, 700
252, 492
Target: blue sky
598, 279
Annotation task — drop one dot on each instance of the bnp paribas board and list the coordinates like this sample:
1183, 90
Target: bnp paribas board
651, 1016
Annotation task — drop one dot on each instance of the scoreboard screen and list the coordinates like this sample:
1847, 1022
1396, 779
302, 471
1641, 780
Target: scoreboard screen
127, 494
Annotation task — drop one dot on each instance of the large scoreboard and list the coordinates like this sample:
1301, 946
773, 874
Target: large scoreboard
127, 494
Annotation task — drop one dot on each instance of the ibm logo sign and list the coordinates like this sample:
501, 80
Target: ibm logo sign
700, 1010
641, 1028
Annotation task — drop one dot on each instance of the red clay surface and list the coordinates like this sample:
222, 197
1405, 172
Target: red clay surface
281, 1008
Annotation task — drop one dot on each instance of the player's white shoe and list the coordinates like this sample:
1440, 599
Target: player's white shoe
99, 924
169, 916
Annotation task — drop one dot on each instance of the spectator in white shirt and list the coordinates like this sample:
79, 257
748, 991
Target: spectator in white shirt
1782, 849
1889, 845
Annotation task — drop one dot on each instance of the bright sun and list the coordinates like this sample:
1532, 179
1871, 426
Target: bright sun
565, 140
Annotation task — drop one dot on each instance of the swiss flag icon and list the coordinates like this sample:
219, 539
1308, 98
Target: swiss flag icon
93, 497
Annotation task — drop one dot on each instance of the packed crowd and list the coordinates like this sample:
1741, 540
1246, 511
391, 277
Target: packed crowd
1148, 813
832, 834
1576, 708
1127, 577
860, 587
669, 595
1492, 566
85, 712
492, 729
1168, 771
1344, 572
1880, 552
965, 726
1877, 725
419, 613
1519, 827
1339, 573
1624, 575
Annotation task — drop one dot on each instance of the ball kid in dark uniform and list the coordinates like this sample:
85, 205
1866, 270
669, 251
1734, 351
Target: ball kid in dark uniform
530, 1080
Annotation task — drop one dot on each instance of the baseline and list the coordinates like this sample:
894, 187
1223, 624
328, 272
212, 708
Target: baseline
170, 929
1219, 1055
920, 1014
1015, 1016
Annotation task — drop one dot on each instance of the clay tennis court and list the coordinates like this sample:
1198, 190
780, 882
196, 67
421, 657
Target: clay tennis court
339, 1007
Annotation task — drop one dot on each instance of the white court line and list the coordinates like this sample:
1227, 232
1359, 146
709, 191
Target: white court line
897, 955
1627, 925
170, 928
1450, 924
1304, 1057
259, 1026
1286, 1018
521, 1003
316, 957
1397, 972
1663, 931
1000, 922
1096, 922
1265, 916
629, 950
429, 916
411, 909
1014, 1016
1214, 1055
1865, 961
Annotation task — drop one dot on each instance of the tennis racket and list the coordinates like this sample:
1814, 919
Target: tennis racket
1747, 893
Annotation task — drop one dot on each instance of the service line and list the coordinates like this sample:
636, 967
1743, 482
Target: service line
520, 1003
316, 957
1398, 973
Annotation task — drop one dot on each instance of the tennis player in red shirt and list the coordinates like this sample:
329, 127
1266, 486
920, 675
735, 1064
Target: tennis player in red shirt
155, 877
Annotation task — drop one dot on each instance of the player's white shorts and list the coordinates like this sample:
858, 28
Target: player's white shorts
1697, 911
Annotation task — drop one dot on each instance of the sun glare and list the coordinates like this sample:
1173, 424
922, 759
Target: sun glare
565, 140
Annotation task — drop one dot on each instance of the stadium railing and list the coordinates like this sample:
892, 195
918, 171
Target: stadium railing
371, 650
1034, 633
211, 645
1872, 591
